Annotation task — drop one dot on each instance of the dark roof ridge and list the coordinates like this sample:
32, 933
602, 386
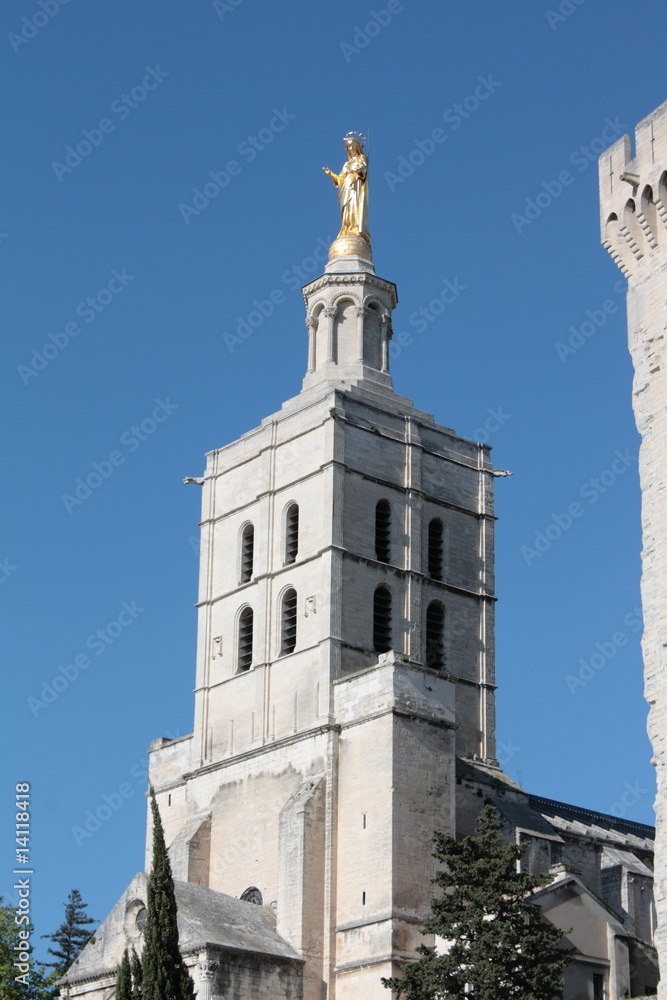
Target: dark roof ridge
536, 801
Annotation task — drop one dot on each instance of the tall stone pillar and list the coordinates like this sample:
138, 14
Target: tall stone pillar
633, 201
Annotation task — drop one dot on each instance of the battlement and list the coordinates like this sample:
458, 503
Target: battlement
633, 193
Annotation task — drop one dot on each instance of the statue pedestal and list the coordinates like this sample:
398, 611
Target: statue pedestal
350, 245
346, 265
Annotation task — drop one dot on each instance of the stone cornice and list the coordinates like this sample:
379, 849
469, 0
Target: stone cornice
362, 278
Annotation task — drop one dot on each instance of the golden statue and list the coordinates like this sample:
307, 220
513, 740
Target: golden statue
352, 183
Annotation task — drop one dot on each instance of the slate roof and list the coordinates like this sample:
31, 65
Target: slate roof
549, 818
207, 917
587, 823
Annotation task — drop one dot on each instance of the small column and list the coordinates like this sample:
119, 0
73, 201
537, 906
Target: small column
312, 328
361, 313
205, 976
330, 314
385, 336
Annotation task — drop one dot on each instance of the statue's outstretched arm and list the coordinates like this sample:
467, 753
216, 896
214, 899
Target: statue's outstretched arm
334, 177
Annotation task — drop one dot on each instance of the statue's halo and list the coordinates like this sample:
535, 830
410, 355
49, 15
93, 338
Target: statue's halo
357, 136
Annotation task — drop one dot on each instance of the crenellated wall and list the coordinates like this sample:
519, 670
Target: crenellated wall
633, 204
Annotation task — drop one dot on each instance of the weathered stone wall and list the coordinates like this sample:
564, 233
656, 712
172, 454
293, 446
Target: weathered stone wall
633, 199
241, 976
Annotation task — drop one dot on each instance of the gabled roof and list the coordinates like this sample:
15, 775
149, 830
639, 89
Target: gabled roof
205, 918
567, 878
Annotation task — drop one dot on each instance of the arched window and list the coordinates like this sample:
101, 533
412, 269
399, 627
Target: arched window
436, 549
435, 636
252, 895
383, 531
245, 639
291, 533
382, 620
247, 552
288, 622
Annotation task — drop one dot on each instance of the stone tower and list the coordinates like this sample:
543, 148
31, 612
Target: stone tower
633, 202
345, 652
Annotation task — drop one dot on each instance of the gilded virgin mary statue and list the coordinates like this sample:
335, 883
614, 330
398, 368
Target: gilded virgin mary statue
352, 183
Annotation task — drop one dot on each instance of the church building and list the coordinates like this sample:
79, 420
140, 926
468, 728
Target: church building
344, 694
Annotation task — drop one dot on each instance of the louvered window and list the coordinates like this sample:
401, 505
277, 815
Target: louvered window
383, 531
245, 639
382, 620
292, 533
436, 549
435, 636
247, 552
288, 622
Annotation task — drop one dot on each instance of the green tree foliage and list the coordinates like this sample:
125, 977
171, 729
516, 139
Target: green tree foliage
137, 977
72, 935
15, 982
124, 979
165, 976
128, 978
499, 946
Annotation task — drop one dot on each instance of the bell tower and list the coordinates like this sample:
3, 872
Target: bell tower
345, 643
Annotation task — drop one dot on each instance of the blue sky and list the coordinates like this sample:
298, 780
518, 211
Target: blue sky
123, 293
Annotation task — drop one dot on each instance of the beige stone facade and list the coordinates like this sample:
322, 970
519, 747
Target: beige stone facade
319, 775
344, 700
633, 202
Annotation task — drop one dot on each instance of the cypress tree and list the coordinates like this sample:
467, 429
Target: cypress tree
124, 979
165, 976
137, 977
499, 947
72, 935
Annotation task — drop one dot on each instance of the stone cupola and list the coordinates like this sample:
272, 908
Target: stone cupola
348, 315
